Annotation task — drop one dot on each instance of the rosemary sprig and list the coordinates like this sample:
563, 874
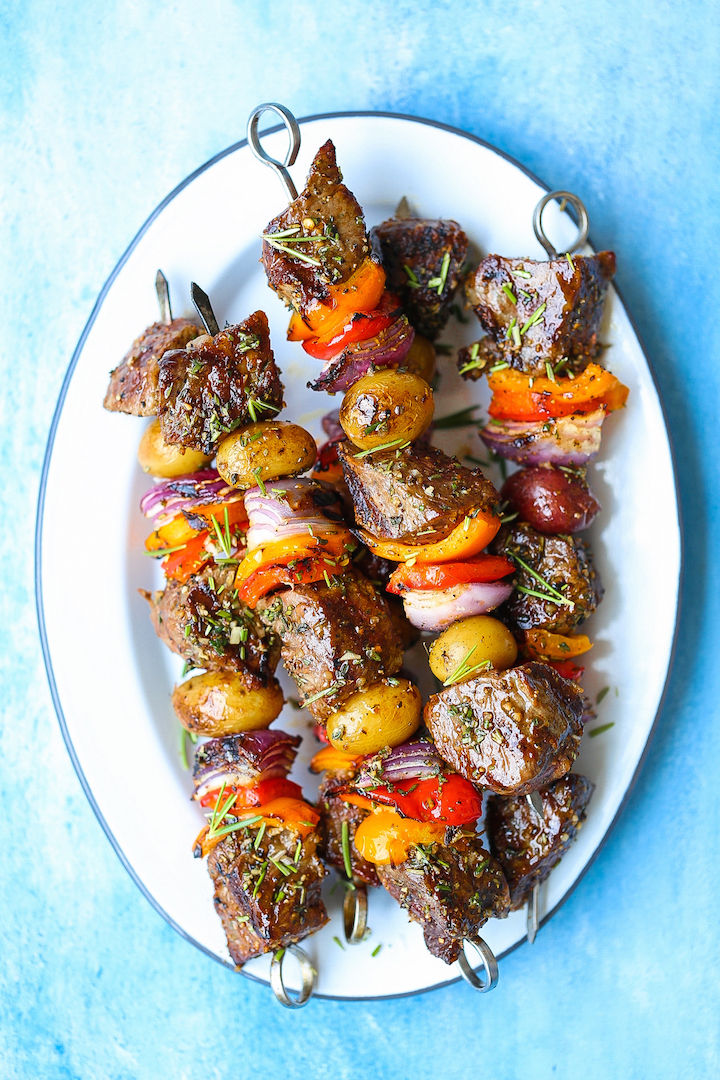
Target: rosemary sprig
222, 533
599, 730
400, 443
160, 553
509, 293
259, 480
221, 813
464, 669
294, 252
534, 318
556, 597
322, 693
462, 418
439, 282
255, 405
346, 849
521, 273
413, 282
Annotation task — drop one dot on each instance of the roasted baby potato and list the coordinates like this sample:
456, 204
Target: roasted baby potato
385, 715
160, 458
218, 703
421, 358
386, 407
264, 451
477, 640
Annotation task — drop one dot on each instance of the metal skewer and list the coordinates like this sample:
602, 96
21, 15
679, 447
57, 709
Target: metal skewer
489, 964
307, 971
201, 300
355, 913
163, 295
583, 228
291, 126
533, 904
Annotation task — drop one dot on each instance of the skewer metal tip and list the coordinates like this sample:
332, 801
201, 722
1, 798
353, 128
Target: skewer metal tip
307, 973
201, 300
355, 913
535, 801
163, 295
533, 914
291, 126
578, 205
403, 210
489, 964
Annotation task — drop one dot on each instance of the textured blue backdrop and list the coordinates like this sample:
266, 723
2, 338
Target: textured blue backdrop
104, 109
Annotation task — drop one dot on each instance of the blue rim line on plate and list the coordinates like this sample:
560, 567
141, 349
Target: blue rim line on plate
38, 550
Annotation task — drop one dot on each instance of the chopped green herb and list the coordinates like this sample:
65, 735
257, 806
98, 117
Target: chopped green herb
605, 690
509, 293
339, 942
534, 318
568, 256
439, 282
549, 371
462, 418
599, 730
556, 596
259, 480
464, 669
183, 749
160, 553
521, 273
376, 950
346, 850
413, 282
400, 443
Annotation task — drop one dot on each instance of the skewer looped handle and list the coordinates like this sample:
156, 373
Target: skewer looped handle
307, 972
584, 222
489, 964
355, 913
291, 126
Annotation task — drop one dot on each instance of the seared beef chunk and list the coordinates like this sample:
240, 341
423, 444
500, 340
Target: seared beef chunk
335, 811
563, 562
203, 621
416, 494
528, 848
451, 889
555, 306
217, 384
336, 639
378, 571
328, 211
134, 382
261, 907
474, 360
423, 261
510, 731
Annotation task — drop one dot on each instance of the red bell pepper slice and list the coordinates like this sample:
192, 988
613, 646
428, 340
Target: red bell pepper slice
361, 326
259, 794
447, 575
450, 800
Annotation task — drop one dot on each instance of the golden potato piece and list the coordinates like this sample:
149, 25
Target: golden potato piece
477, 640
164, 459
264, 451
385, 715
386, 407
421, 358
218, 703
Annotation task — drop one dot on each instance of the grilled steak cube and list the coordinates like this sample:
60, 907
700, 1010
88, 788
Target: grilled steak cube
451, 889
474, 360
564, 563
556, 308
416, 494
510, 731
134, 382
528, 848
335, 811
261, 907
203, 621
327, 210
423, 261
216, 384
336, 639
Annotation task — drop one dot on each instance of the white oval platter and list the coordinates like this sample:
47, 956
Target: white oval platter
111, 677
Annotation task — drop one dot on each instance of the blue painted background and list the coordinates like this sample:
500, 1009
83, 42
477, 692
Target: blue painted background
105, 107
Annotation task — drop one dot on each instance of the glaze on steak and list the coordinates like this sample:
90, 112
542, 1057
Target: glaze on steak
528, 848
216, 384
334, 812
261, 908
564, 562
337, 636
413, 251
451, 889
573, 292
416, 494
326, 209
510, 731
134, 382
196, 620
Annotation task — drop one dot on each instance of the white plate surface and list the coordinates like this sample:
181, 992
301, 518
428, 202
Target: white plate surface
111, 677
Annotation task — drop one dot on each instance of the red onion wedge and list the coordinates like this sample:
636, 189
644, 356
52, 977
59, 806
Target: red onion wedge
332, 427
434, 609
243, 759
288, 508
185, 492
568, 440
390, 346
411, 761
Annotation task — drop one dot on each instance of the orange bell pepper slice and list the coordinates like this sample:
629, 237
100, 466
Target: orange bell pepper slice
361, 292
545, 646
467, 539
296, 814
334, 760
385, 837
305, 572
294, 548
176, 532
520, 397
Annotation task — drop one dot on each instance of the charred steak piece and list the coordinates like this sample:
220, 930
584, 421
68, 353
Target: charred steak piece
328, 211
415, 494
335, 811
261, 907
134, 382
336, 639
203, 621
423, 261
510, 731
216, 384
527, 848
556, 307
565, 563
451, 889
474, 360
